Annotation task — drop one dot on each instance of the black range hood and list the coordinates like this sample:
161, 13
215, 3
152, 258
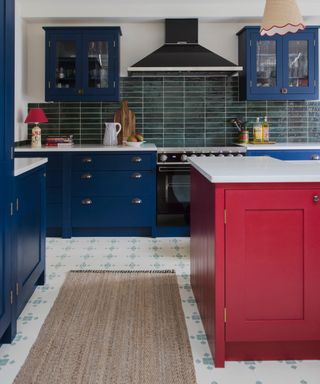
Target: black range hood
181, 52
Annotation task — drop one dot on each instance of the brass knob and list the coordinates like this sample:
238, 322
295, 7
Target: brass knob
284, 91
136, 159
80, 91
316, 199
87, 160
136, 200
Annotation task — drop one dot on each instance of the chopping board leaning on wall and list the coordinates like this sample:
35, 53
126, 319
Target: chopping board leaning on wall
127, 118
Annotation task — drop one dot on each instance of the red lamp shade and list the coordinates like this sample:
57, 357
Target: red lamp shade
36, 115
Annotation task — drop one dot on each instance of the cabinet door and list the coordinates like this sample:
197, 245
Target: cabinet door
30, 233
5, 264
266, 64
299, 63
100, 64
63, 66
272, 265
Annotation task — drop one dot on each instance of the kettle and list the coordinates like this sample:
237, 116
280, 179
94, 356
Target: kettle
110, 134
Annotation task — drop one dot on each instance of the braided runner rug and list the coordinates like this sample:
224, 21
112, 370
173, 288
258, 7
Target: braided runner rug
108, 327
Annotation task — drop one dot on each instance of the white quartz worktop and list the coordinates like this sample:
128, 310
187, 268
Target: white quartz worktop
22, 165
262, 169
88, 147
282, 146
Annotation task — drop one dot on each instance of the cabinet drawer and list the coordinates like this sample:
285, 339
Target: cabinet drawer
132, 161
112, 183
112, 212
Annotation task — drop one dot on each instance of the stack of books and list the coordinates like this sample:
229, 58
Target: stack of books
59, 141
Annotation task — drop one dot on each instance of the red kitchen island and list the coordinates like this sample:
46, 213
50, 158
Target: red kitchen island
255, 257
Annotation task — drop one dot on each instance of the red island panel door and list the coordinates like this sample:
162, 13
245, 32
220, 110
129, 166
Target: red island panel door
272, 265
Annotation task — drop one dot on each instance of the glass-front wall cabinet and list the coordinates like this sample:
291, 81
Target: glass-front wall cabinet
266, 63
65, 64
82, 64
98, 64
279, 67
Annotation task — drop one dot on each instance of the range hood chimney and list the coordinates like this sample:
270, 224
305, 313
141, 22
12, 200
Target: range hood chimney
181, 52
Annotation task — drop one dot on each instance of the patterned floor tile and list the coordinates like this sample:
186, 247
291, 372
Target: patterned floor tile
141, 254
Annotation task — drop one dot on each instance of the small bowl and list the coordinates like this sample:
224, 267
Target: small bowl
134, 143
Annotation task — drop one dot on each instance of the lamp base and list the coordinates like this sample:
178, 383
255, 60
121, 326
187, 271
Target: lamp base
36, 137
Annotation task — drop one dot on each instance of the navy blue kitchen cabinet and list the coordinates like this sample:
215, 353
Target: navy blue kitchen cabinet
7, 297
279, 67
29, 244
100, 193
57, 191
113, 194
82, 63
287, 154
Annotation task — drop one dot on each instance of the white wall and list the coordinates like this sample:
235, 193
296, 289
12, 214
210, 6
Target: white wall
138, 40
20, 75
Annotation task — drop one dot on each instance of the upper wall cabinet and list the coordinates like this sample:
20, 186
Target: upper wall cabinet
279, 67
82, 63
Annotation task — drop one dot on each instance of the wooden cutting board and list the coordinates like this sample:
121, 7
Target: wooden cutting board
127, 118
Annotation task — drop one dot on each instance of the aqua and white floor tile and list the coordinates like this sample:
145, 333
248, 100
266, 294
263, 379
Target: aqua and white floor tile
137, 254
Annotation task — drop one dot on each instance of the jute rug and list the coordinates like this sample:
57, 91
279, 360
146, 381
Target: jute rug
113, 328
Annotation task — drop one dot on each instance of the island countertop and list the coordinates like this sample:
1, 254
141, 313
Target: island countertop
262, 169
88, 148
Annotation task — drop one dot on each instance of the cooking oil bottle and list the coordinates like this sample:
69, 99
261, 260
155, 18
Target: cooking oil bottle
265, 130
257, 131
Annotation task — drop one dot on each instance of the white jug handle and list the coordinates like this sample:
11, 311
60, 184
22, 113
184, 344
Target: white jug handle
119, 129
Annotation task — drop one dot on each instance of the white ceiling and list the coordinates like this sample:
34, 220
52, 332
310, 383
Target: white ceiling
139, 10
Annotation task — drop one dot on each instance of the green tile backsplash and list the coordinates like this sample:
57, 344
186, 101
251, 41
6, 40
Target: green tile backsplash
184, 111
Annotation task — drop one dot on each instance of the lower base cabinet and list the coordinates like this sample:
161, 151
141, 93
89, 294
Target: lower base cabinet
100, 193
255, 268
29, 244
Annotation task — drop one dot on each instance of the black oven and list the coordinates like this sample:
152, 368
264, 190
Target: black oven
173, 195
173, 185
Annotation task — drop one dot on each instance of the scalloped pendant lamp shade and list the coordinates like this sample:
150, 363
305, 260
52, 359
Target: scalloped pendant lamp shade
281, 17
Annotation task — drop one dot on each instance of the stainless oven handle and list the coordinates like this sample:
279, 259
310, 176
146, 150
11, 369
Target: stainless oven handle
173, 169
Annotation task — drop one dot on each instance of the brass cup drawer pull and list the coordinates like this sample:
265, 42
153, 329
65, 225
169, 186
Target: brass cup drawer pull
136, 200
136, 175
315, 157
86, 176
86, 201
136, 159
316, 199
87, 160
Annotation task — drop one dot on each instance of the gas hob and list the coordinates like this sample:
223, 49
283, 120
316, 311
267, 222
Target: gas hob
174, 155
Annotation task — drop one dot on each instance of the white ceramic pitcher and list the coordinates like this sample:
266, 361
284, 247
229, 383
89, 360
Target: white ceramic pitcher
110, 134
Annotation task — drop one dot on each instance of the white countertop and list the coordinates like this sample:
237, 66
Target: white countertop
282, 146
262, 169
22, 165
87, 147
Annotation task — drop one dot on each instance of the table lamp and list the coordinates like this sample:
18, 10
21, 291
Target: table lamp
36, 115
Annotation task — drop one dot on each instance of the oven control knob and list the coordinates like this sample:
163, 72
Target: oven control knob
239, 155
163, 157
230, 154
202, 155
211, 155
184, 157
193, 155
221, 154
